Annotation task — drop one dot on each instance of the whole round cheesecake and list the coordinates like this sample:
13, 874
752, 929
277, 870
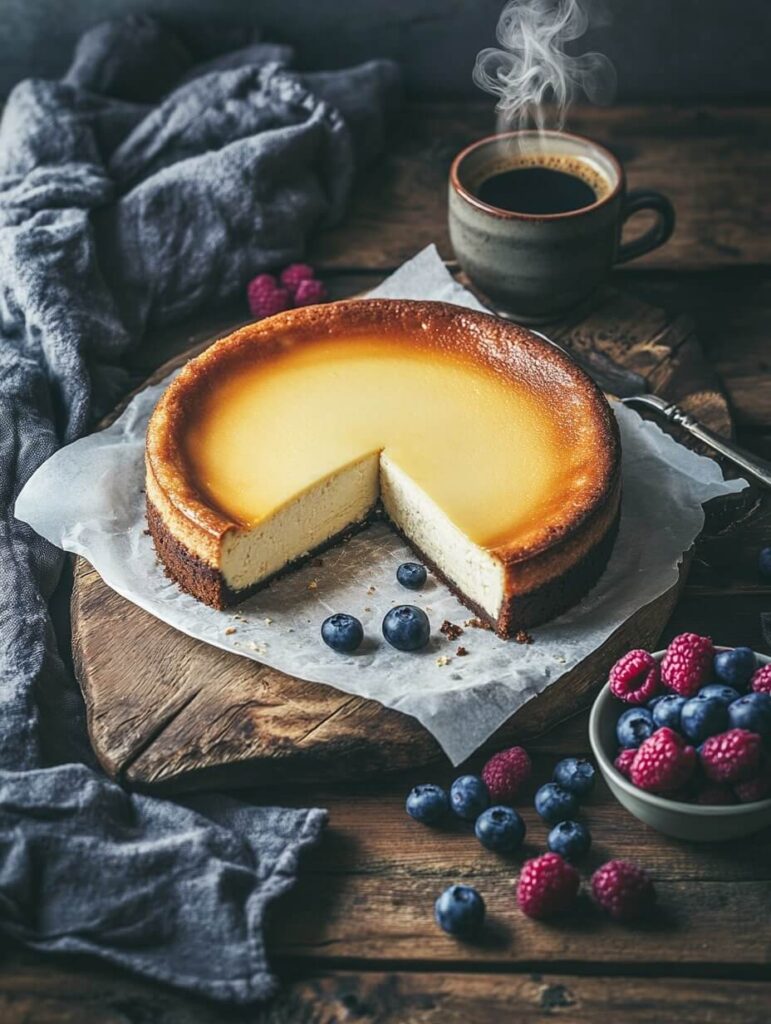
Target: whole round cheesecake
493, 454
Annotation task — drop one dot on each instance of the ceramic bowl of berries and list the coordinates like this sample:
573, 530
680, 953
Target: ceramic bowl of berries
683, 738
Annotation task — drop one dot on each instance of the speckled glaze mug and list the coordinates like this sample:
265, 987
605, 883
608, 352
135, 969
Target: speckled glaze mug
537, 266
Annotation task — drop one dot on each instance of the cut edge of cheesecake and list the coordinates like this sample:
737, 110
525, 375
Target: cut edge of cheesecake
221, 563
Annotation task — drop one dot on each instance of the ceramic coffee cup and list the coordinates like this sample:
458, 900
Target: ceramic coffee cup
537, 266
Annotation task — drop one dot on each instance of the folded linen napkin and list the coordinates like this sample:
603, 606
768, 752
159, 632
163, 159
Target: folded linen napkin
140, 188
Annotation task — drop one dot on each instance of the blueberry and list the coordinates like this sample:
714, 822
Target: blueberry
717, 691
342, 632
634, 727
406, 627
460, 910
554, 803
570, 839
411, 575
428, 803
764, 563
500, 829
469, 796
735, 667
751, 712
703, 717
667, 711
576, 775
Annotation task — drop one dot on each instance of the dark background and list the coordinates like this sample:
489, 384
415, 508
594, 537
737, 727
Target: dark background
662, 49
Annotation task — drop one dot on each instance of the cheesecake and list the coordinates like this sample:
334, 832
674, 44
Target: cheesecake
488, 449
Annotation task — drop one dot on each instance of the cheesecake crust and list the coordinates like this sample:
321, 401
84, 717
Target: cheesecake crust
542, 578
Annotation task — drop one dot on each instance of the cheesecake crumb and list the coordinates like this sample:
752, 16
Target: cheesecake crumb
267, 620
371, 590
523, 637
461, 652
450, 630
477, 623
146, 533
313, 584
367, 608
230, 630
443, 660
260, 647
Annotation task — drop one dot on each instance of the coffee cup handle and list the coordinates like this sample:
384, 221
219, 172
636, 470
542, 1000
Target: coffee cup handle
646, 199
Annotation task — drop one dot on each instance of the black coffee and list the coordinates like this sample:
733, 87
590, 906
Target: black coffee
536, 190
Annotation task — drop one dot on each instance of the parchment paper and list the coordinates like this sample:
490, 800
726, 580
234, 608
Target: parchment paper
89, 498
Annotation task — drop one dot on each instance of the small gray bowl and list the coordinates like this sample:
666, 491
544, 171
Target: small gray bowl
697, 822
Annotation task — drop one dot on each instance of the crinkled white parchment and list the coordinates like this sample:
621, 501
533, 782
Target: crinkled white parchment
89, 498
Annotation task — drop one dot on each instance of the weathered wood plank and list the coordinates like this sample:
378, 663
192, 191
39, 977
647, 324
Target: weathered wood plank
713, 162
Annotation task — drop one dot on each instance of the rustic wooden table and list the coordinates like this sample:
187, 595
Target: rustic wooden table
356, 938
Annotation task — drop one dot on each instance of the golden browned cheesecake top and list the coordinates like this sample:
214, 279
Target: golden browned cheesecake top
502, 431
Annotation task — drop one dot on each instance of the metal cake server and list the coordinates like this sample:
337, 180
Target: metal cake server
632, 389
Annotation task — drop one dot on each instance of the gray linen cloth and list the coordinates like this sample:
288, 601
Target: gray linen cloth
138, 190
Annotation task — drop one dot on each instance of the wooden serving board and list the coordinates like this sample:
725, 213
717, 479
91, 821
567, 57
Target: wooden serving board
166, 711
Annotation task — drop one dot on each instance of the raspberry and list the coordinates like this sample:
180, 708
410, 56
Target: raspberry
292, 275
687, 664
663, 762
754, 789
309, 292
623, 889
635, 677
732, 756
505, 774
761, 681
713, 793
547, 885
623, 762
266, 297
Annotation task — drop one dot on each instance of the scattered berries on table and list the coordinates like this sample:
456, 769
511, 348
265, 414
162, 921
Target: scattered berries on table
736, 666
547, 885
266, 297
553, 803
292, 275
469, 796
342, 632
751, 712
761, 680
460, 910
702, 717
500, 828
663, 763
634, 726
732, 756
623, 761
570, 839
764, 563
411, 575
623, 889
506, 772
666, 710
576, 775
635, 678
428, 803
406, 627
309, 292
687, 664
719, 691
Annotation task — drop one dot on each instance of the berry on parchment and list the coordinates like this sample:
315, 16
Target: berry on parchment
309, 292
292, 275
266, 297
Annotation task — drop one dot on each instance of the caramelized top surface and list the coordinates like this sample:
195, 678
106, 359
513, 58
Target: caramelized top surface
507, 436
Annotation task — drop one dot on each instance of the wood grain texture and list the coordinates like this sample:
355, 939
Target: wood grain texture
167, 710
713, 163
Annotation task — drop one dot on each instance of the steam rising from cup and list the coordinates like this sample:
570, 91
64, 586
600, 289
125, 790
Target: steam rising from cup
532, 75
